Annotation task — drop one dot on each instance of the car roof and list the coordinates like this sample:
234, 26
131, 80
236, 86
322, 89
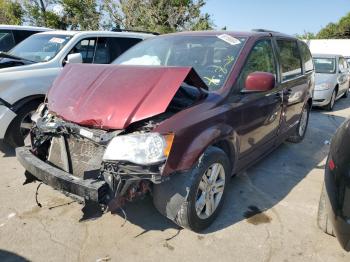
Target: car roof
102, 33
326, 55
253, 33
25, 28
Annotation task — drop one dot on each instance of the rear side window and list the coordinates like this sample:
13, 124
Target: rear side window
307, 57
290, 59
6, 40
109, 48
342, 64
260, 59
20, 35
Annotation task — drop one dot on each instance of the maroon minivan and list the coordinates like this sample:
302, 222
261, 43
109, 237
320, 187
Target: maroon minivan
175, 116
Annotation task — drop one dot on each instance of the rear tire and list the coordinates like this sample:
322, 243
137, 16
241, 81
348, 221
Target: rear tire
16, 132
323, 220
301, 128
193, 199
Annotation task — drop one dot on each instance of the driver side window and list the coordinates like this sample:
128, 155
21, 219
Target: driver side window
260, 59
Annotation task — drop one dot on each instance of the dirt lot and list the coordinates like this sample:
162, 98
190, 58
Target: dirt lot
285, 186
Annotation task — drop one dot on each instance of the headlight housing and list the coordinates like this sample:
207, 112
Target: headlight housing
323, 86
143, 148
40, 111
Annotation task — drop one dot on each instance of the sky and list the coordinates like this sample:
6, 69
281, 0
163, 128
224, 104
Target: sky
287, 16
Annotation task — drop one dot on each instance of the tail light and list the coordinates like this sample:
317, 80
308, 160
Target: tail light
331, 164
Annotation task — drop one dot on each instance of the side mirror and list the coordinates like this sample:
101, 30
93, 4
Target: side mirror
74, 59
259, 82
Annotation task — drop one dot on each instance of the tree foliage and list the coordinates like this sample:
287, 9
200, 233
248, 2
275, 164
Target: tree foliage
306, 35
338, 30
161, 16
81, 15
40, 13
11, 12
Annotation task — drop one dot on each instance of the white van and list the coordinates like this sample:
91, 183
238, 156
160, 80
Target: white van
28, 70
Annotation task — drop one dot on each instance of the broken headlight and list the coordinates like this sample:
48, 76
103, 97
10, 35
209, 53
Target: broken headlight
142, 148
41, 110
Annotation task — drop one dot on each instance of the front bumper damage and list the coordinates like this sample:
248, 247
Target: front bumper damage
69, 158
87, 189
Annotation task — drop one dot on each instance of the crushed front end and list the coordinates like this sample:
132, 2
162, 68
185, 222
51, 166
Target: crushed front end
95, 165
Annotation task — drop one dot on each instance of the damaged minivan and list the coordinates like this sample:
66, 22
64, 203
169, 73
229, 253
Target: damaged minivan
175, 116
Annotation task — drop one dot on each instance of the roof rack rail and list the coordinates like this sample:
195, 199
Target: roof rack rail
134, 31
264, 30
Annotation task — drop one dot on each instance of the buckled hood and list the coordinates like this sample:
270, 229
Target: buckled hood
114, 96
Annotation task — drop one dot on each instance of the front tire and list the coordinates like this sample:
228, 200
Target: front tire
331, 103
346, 94
300, 131
20, 126
193, 199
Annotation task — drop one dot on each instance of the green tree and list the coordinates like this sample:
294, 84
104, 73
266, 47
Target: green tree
39, 13
306, 35
81, 15
163, 16
11, 12
340, 29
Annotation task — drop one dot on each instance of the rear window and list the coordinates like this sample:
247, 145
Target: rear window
324, 65
307, 57
290, 59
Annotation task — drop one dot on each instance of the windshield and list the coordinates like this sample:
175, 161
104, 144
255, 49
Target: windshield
40, 48
325, 65
211, 56
6, 40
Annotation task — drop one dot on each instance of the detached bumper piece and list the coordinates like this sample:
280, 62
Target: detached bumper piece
88, 189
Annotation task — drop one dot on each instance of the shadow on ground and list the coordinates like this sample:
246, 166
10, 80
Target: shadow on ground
7, 150
6, 256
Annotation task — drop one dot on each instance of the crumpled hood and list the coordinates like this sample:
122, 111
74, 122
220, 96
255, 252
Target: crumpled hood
114, 96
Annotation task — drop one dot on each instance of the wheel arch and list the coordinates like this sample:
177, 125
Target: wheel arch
20, 103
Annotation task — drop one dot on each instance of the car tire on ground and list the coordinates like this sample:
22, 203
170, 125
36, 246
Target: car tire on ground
193, 199
301, 128
331, 103
346, 94
21, 124
323, 220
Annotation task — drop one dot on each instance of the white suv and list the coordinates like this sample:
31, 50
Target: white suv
28, 70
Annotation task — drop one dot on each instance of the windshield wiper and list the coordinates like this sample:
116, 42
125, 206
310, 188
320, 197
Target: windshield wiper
7, 55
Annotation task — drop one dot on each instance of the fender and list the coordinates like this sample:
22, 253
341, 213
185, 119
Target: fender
14, 86
216, 135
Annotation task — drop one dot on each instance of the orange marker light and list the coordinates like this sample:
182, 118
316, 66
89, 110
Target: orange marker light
169, 142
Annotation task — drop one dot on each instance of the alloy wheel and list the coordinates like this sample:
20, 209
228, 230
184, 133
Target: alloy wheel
210, 190
26, 125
